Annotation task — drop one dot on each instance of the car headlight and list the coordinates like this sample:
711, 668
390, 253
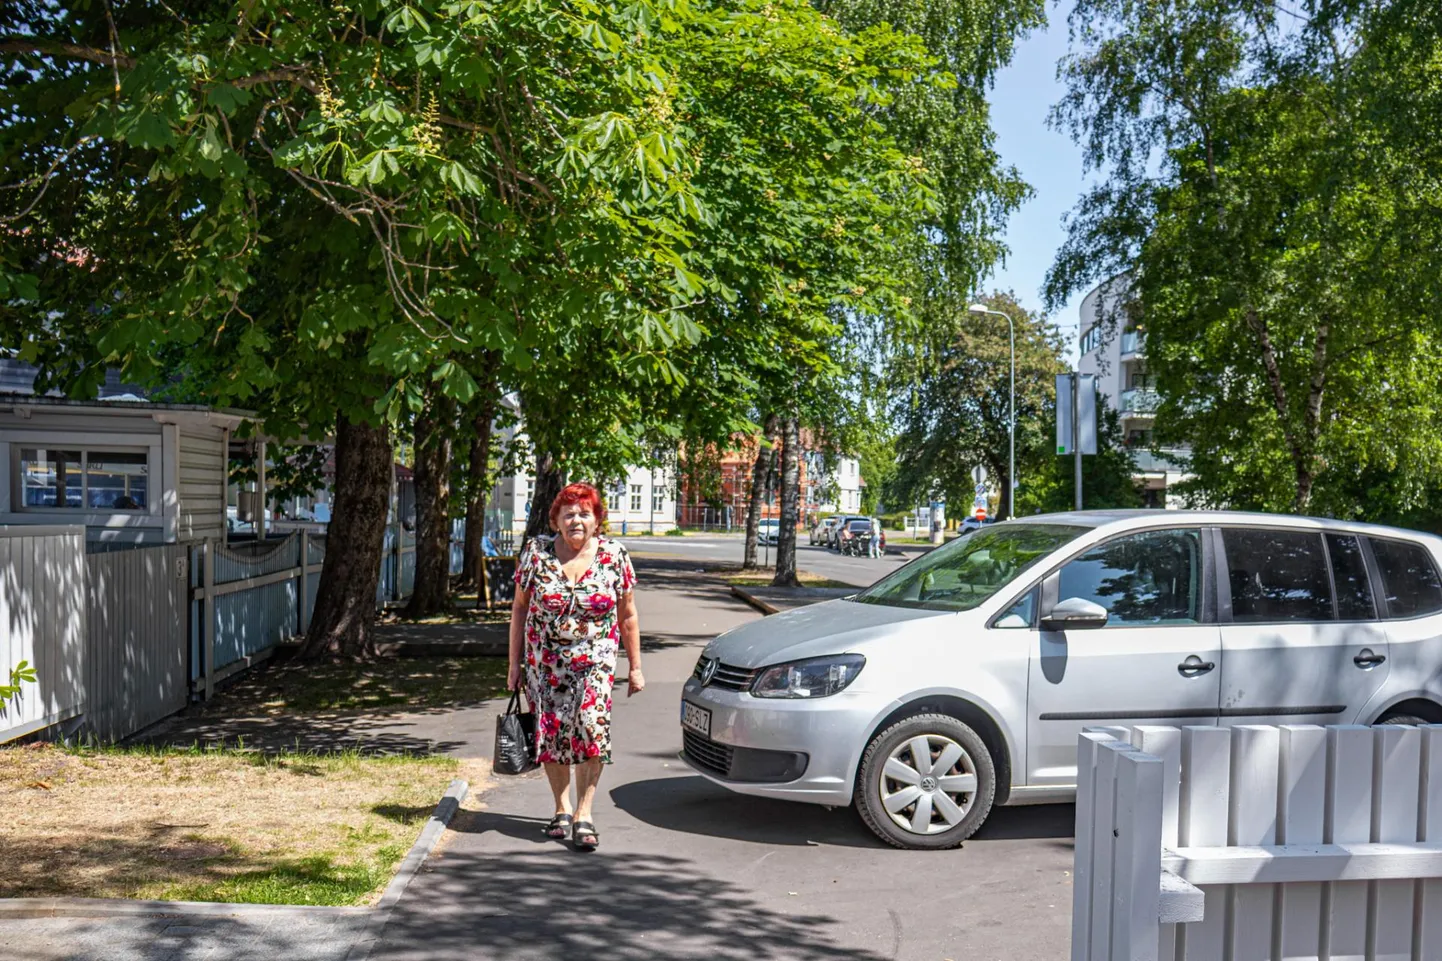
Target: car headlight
813, 677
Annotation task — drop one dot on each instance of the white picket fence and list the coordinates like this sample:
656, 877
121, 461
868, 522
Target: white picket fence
1286, 843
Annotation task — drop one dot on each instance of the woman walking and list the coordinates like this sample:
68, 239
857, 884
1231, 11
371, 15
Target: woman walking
574, 607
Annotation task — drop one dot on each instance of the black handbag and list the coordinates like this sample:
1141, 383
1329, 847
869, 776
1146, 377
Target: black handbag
515, 739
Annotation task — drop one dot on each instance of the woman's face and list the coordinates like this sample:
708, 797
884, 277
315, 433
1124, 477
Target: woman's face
577, 524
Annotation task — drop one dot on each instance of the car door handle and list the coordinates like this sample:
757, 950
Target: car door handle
1368, 658
1195, 667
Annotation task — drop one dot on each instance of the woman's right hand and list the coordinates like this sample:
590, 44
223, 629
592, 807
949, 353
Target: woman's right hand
513, 677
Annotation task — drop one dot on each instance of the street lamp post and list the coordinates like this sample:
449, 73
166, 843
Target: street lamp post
1011, 427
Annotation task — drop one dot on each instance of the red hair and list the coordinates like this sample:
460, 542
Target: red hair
578, 494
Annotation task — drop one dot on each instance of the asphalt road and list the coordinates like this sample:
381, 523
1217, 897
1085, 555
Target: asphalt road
687, 869
860, 571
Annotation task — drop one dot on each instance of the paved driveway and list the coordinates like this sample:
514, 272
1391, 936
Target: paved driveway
686, 869
689, 870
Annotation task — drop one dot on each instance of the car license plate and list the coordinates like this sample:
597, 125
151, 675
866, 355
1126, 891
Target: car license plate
696, 718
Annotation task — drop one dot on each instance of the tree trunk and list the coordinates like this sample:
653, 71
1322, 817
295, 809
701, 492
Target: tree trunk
478, 487
759, 471
790, 504
434, 430
345, 603
550, 478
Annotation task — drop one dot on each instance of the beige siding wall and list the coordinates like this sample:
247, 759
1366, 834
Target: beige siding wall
202, 485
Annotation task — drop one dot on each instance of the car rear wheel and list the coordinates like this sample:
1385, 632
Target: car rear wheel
926, 783
1403, 720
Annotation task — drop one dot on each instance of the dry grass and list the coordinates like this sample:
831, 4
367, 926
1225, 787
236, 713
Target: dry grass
384, 684
213, 825
764, 578
467, 611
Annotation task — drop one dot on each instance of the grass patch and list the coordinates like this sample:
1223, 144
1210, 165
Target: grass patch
212, 825
467, 611
387, 684
764, 578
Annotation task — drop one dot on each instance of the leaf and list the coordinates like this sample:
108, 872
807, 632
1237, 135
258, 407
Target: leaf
228, 98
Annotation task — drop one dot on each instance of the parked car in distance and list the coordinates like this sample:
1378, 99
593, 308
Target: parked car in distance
767, 531
969, 524
843, 521
963, 679
823, 530
858, 529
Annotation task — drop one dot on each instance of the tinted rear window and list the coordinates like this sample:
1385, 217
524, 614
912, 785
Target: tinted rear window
1409, 578
1277, 575
1349, 574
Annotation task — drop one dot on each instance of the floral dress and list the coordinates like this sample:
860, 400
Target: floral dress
572, 636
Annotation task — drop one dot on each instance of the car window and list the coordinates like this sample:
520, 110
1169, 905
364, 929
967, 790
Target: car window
1019, 615
1409, 578
1349, 577
1151, 577
965, 572
1277, 576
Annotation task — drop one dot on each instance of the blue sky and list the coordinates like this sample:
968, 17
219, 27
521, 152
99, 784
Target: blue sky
1047, 159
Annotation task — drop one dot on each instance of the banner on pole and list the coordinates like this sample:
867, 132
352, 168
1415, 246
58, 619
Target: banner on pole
1086, 409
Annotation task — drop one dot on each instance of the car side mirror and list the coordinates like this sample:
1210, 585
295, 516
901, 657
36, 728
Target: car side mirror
1074, 613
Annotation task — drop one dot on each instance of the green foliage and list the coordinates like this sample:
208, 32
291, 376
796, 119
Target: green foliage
21, 673
1107, 475
1282, 256
953, 400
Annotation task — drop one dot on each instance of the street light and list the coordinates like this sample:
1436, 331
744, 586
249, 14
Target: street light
1011, 428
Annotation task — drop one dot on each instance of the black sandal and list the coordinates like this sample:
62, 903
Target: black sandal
584, 836
557, 826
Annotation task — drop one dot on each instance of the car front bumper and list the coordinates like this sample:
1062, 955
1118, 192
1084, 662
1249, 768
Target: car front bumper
755, 741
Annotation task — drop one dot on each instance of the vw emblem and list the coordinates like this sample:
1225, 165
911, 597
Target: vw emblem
708, 670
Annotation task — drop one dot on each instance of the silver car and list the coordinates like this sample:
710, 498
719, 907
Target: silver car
962, 679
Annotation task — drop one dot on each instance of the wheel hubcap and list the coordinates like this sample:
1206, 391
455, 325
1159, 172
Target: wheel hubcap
928, 784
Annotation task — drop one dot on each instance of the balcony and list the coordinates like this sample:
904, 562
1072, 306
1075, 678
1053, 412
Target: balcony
1168, 460
1139, 400
1133, 342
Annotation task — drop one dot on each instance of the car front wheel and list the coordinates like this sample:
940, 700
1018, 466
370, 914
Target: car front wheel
926, 783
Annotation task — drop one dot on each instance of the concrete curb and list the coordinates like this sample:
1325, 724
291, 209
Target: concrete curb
753, 600
410, 867
19, 908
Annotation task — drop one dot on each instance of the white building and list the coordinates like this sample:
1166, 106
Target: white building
643, 500
838, 493
128, 471
1115, 351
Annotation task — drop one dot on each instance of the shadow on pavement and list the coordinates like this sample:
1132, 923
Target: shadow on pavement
558, 905
1042, 821
693, 805
317, 733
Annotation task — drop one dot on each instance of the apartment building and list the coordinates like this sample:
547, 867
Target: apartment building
1114, 349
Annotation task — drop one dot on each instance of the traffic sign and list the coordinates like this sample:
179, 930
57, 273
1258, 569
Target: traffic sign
980, 513
978, 476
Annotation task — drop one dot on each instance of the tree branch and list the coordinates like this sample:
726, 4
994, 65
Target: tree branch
65, 51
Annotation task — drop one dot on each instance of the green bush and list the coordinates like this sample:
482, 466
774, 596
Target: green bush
896, 521
675, 532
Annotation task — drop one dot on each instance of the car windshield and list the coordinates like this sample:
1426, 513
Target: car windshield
967, 571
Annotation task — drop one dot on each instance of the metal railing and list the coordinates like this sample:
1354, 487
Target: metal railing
1155, 463
1140, 400
1133, 342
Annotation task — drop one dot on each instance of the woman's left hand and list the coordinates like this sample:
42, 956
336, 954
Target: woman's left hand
635, 682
